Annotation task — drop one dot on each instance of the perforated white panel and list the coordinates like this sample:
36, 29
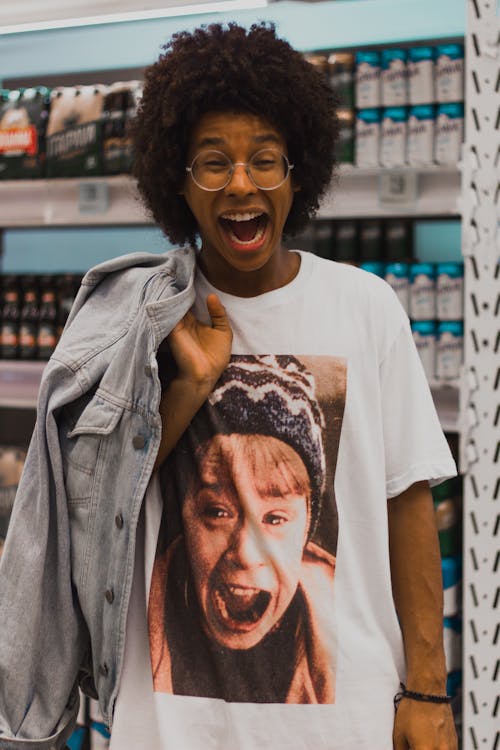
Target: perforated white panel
480, 446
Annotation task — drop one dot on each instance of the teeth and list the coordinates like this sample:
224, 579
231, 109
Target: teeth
239, 591
241, 217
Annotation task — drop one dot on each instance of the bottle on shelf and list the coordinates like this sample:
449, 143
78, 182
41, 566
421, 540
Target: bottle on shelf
9, 330
30, 316
67, 287
47, 327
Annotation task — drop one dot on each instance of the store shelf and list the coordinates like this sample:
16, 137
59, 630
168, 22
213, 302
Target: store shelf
101, 201
19, 383
425, 191
446, 395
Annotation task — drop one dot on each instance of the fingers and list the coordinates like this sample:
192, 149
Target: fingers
217, 313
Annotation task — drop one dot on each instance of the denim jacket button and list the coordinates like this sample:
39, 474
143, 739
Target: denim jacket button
138, 442
110, 596
119, 521
103, 670
148, 371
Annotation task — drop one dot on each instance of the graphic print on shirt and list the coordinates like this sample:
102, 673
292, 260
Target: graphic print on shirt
241, 604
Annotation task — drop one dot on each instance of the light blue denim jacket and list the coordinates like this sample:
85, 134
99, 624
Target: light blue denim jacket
66, 572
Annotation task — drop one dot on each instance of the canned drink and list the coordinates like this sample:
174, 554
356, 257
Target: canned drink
449, 133
367, 79
346, 241
421, 126
367, 137
424, 336
345, 144
374, 266
422, 291
450, 73
393, 137
394, 78
398, 240
450, 291
397, 276
370, 240
449, 349
421, 73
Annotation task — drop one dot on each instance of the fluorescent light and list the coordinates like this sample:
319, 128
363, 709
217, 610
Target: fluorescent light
178, 10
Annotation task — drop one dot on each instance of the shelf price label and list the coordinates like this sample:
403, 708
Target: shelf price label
93, 197
398, 189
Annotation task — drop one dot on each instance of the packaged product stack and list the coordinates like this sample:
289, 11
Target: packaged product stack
33, 312
11, 466
120, 104
23, 124
409, 106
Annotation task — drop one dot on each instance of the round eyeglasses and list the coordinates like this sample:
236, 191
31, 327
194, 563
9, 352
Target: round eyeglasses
213, 170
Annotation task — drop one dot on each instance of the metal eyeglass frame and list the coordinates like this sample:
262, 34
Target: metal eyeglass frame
234, 164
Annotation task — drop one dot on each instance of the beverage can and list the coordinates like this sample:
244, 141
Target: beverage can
421, 65
421, 126
374, 266
394, 79
367, 137
424, 336
393, 137
449, 133
450, 73
449, 349
397, 276
370, 239
323, 238
367, 79
398, 240
346, 241
422, 291
449, 291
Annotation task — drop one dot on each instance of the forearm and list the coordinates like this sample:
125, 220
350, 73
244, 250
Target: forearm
417, 587
179, 403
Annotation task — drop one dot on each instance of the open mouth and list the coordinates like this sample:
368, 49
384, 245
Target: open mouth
245, 230
240, 607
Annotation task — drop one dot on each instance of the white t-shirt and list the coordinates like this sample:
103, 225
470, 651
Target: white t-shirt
261, 615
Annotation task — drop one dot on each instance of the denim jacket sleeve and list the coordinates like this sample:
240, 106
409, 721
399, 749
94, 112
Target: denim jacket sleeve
42, 632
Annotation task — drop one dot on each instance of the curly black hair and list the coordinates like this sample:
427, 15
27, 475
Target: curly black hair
231, 69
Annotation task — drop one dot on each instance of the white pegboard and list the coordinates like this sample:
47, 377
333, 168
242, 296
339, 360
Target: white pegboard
480, 438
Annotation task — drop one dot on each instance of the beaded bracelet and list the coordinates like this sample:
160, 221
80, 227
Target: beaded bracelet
423, 697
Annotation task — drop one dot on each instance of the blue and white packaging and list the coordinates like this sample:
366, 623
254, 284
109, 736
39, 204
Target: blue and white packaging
367, 79
367, 145
421, 65
393, 137
424, 336
421, 126
394, 77
450, 73
449, 133
422, 291
449, 349
374, 266
397, 276
450, 291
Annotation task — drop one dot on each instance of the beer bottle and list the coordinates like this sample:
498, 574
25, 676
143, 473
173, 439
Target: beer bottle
30, 315
47, 327
9, 330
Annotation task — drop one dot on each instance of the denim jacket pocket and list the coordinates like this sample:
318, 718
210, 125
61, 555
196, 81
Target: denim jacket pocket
83, 447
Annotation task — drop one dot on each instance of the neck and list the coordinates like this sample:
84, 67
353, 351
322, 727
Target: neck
279, 270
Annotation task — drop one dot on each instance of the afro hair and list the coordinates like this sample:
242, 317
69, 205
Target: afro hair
231, 69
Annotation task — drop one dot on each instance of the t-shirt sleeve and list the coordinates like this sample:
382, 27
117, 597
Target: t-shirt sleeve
415, 446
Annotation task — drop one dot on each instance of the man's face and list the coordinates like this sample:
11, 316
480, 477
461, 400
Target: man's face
238, 136
246, 519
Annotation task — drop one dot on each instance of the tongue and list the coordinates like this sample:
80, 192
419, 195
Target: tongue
245, 230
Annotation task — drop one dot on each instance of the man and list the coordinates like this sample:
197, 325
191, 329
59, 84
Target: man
235, 142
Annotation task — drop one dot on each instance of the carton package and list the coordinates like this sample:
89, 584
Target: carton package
23, 121
120, 106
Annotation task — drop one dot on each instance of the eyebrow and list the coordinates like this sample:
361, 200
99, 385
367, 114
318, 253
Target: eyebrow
217, 141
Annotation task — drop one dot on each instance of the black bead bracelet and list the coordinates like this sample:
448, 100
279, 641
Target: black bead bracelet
423, 697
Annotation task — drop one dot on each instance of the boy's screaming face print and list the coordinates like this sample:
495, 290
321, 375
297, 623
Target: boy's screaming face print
246, 520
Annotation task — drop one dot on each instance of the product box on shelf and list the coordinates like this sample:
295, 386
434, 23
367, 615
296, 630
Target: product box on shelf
120, 105
23, 122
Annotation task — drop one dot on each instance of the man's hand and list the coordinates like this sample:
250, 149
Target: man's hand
202, 352
424, 726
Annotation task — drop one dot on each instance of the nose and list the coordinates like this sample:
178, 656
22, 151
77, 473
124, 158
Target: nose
240, 182
246, 549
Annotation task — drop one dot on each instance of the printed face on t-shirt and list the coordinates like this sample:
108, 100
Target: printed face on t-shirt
246, 520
